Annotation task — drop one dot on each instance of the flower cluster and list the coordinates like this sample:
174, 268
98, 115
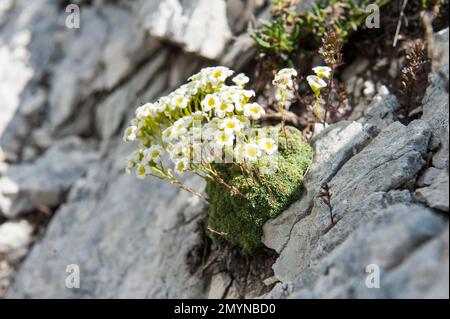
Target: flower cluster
317, 82
200, 123
284, 82
284, 79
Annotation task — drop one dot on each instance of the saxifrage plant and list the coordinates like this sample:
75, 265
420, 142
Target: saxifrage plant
209, 127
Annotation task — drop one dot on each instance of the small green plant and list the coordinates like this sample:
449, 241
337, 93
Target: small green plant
210, 128
280, 38
345, 16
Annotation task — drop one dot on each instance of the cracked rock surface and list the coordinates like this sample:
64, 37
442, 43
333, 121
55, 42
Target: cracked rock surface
390, 207
65, 98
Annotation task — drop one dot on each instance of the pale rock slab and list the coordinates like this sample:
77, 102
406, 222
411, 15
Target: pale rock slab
15, 237
200, 26
358, 191
45, 181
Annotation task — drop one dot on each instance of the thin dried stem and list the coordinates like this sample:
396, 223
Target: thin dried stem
219, 233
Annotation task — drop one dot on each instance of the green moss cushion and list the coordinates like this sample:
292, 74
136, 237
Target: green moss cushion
242, 219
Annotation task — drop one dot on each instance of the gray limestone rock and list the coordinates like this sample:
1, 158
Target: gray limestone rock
45, 181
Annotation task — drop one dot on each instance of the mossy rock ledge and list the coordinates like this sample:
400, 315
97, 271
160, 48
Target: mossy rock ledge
241, 219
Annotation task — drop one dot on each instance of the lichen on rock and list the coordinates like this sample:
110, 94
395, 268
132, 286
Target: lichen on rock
239, 219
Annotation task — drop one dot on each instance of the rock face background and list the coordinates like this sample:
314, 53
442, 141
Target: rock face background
65, 96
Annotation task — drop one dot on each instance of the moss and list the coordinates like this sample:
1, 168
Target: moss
242, 219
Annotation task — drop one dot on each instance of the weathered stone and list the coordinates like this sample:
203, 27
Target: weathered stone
219, 285
200, 26
437, 194
399, 197
15, 237
26, 49
104, 53
14, 75
3, 167
332, 148
6, 273
357, 67
33, 103
369, 88
428, 177
42, 138
110, 113
45, 181
390, 160
115, 229
357, 193
435, 101
276, 231
240, 52
11, 140
381, 112
394, 239
424, 274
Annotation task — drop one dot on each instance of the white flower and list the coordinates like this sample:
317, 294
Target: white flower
178, 101
283, 79
153, 153
207, 153
143, 111
322, 71
223, 108
219, 74
240, 80
239, 153
287, 72
136, 155
181, 166
129, 165
248, 93
154, 109
223, 138
188, 133
179, 150
268, 145
130, 133
210, 102
230, 125
253, 110
316, 83
179, 128
189, 89
251, 152
208, 130
186, 120
164, 104
143, 170
167, 134
198, 116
